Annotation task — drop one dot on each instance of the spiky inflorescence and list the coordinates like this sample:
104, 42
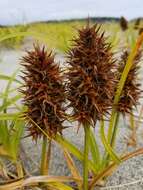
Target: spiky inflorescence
123, 23
140, 31
131, 91
137, 24
44, 92
91, 80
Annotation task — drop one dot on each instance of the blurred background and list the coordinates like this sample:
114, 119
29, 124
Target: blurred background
54, 23
20, 12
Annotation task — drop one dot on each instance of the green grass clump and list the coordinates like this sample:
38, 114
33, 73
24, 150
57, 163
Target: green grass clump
58, 35
13, 43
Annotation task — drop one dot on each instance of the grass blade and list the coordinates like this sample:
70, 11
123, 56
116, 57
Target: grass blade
60, 186
69, 146
94, 150
121, 85
74, 171
10, 116
19, 183
5, 77
107, 146
15, 137
9, 102
109, 169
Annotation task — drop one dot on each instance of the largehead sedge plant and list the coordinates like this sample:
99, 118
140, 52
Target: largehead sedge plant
123, 23
91, 80
91, 76
44, 96
44, 93
140, 31
137, 24
129, 95
131, 92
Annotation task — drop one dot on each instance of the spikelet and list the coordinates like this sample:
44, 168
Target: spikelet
91, 80
131, 91
140, 31
137, 24
123, 23
44, 93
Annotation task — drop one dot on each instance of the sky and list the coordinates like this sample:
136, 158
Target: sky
23, 11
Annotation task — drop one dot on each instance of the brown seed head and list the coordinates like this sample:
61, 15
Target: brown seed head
91, 80
131, 91
137, 24
140, 31
44, 92
123, 23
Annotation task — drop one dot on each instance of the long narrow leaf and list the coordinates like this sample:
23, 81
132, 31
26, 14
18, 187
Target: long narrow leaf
15, 138
10, 116
60, 186
74, 170
94, 150
9, 102
3, 133
75, 151
19, 183
109, 169
69, 146
121, 85
5, 77
107, 146
39, 36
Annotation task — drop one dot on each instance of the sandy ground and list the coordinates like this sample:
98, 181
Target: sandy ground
128, 172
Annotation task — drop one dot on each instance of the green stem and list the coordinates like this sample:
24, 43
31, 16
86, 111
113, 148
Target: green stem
113, 126
68, 145
45, 156
86, 151
113, 138
132, 123
19, 169
75, 151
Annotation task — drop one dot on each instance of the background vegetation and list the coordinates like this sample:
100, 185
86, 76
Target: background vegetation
58, 35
